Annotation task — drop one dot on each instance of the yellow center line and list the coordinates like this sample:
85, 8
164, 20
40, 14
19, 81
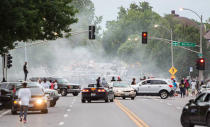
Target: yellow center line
131, 115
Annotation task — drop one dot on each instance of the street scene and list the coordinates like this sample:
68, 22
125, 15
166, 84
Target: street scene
90, 63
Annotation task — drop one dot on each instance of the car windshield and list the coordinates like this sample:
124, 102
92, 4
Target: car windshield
62, 80
119, 84
34, 91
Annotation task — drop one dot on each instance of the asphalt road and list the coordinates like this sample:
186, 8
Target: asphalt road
70, 112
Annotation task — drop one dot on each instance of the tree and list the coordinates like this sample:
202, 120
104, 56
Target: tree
23, 20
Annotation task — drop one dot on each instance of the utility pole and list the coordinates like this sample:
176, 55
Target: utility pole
4, 67
200, 73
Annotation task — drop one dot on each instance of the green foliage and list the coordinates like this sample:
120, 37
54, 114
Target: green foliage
23, 20
140, 17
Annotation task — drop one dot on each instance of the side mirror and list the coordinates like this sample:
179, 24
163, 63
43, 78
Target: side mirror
191, 101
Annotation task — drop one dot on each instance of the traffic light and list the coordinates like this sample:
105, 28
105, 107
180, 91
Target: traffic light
144, 37
200, 65
9, 61
92, 32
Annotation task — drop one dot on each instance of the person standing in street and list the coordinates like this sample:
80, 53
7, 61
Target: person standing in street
55, 85
24, 95
25, 70
98, 82
45, 84
193, 87
51, 85
182, 88
133, 82
187, 86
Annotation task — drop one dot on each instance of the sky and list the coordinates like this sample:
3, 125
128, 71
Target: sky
109, 8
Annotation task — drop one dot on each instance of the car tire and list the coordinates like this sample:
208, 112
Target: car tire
44, 111
75, 94
13, 111
112, 100
106, 100
132, 98
185, 123
163, 94
63, 92
123, 97
208, 120
89, 101
83, 101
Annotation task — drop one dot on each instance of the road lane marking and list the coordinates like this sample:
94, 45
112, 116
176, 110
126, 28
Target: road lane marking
178, 108
68, 110
4, 113
70, 105
169, 104
61, 123
131, 115
65, 115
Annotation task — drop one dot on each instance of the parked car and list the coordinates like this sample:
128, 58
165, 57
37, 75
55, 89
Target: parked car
97, 93
197, 111
155, 87
123, 89
64, 86
38, 102
7, 90
52, 96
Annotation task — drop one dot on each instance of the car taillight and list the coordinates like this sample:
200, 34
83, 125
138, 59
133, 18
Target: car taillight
101, 90
85, 90
170, 86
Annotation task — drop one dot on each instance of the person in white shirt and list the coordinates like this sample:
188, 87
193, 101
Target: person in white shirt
45, 84
24, 96
55, 85
193, 85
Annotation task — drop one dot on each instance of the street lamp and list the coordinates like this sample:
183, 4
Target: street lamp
171, 32
201, 77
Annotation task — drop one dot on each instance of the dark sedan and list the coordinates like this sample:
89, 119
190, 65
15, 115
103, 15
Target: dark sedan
197, 112
97, 93
38, 101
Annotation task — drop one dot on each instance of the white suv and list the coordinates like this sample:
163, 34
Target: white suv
155, 87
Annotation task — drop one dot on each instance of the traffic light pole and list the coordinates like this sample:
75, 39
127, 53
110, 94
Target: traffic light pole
201, 73
4, 67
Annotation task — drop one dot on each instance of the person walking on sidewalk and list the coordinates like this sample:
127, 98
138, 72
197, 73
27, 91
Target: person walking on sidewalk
25, 70
24, 96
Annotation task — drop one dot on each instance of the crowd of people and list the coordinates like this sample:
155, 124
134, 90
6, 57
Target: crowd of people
188, 87
48, 84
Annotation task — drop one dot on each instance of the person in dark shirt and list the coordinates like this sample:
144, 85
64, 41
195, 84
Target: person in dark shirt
25, 70
98, 82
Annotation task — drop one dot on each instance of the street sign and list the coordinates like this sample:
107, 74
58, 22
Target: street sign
172, 70
191, 69
185, 44
199, 54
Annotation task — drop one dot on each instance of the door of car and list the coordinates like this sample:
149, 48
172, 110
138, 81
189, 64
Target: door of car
204, 106
156, 85
194, 108
144, 87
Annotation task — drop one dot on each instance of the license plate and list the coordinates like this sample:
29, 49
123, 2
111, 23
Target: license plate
126, 94
93, 94
30, 105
